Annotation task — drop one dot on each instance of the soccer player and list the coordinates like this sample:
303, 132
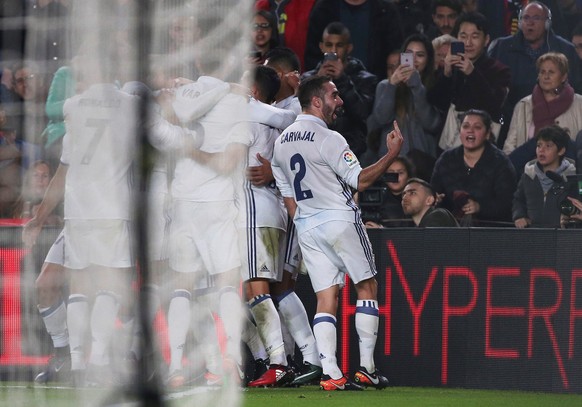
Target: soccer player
315, 169
263, 243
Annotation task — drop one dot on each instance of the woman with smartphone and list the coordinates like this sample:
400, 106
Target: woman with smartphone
264, 36
402, 97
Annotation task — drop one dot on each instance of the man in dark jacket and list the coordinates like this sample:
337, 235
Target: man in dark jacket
375, 26
355, 84
521, 51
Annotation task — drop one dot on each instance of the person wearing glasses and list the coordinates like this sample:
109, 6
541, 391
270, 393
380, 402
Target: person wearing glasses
263, 36
520, 52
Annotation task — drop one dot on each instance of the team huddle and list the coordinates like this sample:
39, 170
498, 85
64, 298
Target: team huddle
248, 188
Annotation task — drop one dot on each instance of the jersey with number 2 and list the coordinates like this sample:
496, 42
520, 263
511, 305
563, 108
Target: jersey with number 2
316, 167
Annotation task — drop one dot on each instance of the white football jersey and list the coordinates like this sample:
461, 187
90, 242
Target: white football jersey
224, 124
99, 147
264, 205
290, 103
316, 167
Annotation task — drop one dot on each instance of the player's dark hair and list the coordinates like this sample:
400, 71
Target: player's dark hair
473, 18
267, 81
310, 87
283, 58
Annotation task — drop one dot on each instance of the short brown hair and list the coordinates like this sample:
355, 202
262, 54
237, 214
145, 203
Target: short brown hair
557, 58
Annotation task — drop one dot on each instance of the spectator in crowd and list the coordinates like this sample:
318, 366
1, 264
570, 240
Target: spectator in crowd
552, 101
402, 97
375, 25
542, 185
23, 100
470, 79
444, 17
355, 84
292, 22
419, 202
263, 36
441, 46
389, 211
476, 178
521, 51
36, 181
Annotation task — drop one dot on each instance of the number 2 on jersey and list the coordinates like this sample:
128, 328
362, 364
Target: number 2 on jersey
300, 194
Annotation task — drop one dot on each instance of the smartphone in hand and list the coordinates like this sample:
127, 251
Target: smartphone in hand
457, 47
406, 58
329, 56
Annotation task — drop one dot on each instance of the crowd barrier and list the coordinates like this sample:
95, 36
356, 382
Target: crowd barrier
468, 307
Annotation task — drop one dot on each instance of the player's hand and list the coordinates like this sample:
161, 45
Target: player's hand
30, 232
260, 175
394, 140
522, 223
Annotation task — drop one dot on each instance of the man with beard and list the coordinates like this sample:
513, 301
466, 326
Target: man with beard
315, 170
418, 202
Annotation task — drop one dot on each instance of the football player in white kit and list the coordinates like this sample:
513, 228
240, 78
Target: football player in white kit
315, 171
263, 243
296, 327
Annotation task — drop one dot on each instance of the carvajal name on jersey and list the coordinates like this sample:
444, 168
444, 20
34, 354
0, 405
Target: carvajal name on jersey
297, 136
107, 103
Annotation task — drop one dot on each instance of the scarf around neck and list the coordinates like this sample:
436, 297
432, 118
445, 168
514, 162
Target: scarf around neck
545, 113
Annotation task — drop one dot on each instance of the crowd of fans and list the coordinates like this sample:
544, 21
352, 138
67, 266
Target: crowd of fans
518, 66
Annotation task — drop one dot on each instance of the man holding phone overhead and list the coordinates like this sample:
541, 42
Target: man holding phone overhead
355, 84
470, 78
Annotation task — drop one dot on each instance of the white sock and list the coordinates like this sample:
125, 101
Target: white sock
78, 324
179, 313
367, 318
55, 321
269, 327
295, 318
230, 312
205, 336
326, 336
103, 318
288, 341
250, 336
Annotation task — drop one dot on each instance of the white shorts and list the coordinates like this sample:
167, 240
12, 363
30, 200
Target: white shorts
335, 248
204, 237
262, 251
56, 254
102, 242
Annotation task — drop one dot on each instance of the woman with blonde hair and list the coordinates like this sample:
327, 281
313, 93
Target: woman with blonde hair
553, 101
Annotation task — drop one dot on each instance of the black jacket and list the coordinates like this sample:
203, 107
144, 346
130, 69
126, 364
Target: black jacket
357, 88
